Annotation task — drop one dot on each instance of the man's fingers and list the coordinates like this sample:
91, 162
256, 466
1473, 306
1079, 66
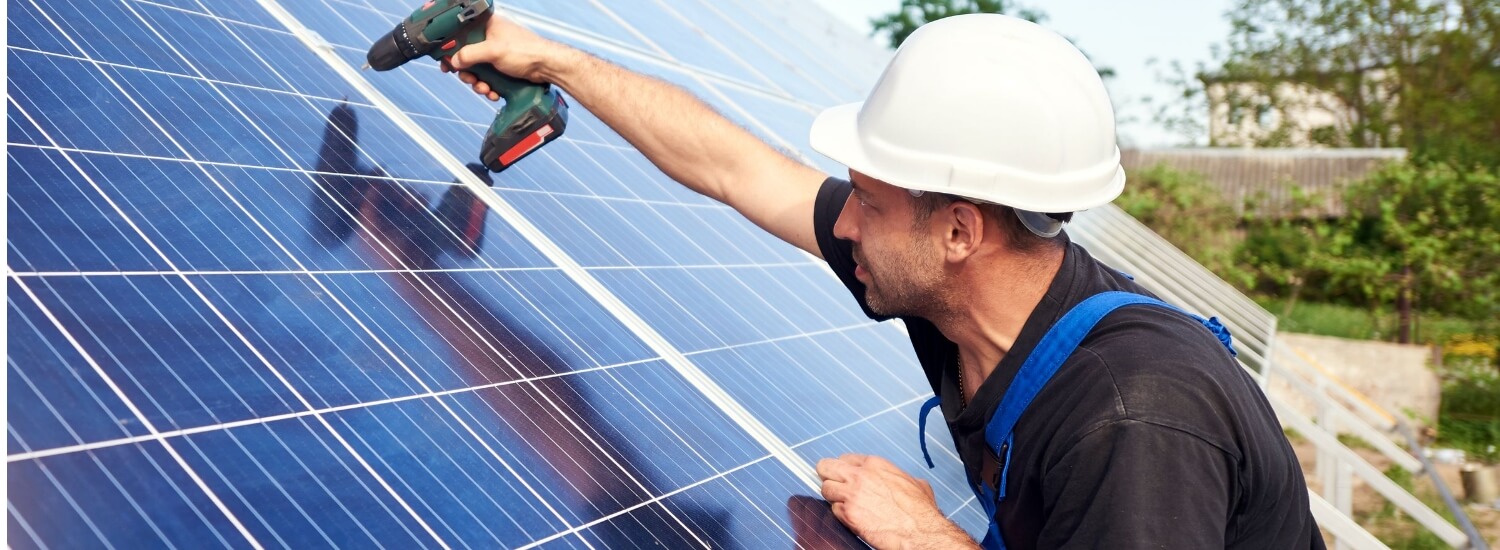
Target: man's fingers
835, 469
879, 462
835, 491
855, 459
482, 88
825, 468
460, 58
467, 77
494, 96
839, 511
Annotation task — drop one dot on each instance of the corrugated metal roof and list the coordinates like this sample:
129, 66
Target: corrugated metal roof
1265, 178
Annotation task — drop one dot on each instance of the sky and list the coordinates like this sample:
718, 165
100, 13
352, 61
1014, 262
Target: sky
1122, 35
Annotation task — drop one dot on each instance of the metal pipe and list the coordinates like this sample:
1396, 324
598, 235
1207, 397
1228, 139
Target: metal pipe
1476, 542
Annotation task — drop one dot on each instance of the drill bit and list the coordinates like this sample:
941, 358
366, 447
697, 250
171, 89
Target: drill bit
365, 67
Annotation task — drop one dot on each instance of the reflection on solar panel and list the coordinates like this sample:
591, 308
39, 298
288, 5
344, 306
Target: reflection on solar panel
249, 307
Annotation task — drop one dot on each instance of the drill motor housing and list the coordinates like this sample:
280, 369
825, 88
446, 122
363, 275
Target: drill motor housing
534, 114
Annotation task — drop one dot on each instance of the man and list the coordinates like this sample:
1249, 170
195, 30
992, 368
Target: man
1149, 435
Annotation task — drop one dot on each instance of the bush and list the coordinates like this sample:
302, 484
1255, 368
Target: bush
1184, 209
1470, 414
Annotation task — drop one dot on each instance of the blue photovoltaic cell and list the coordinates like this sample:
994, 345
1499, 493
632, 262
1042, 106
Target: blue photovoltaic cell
329, 343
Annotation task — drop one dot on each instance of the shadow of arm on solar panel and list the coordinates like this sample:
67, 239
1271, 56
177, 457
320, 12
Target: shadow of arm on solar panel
528, 390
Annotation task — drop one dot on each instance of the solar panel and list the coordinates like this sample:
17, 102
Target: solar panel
250, 307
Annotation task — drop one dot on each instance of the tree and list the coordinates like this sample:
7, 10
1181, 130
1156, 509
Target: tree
1419, 74
911, 14
1423, 236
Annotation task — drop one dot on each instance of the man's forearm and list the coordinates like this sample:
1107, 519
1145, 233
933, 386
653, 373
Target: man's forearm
684, 137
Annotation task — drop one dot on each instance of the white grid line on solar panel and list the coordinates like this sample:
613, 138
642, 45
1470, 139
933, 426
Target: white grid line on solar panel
220, 163
37, 454
654, 500
21, 374
25, 526
771, 133
612, 303
293, 390
950, 492
589, 227
702, 76
786, 145
863, 419
392, 179
394, 271
785, 28
933, 443
830, 367
660, 56
776, 53
762, 51
961, 507
183, 432
665, 53
109, 381
291, 93
478, 126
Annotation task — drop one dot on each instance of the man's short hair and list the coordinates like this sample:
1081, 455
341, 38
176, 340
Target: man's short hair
1017, 235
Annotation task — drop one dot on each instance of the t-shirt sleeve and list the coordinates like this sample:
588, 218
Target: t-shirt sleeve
1138, 485
839, 253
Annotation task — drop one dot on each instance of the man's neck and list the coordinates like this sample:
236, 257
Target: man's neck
990, 305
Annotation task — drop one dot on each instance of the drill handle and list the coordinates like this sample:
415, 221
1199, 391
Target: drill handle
500, 83
505, 85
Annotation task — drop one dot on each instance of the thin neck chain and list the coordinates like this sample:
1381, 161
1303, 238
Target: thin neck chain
963, 396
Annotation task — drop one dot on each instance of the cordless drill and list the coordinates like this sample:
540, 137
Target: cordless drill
534, 114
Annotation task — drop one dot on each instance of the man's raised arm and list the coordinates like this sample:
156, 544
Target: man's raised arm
684, 137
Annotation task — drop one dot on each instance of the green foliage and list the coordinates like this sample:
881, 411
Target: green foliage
1293, 436
1428, 232
1469, 418
1184, 209
901, 23
1399, 531
1354, 442
898, 25
1431, 231
1359, 323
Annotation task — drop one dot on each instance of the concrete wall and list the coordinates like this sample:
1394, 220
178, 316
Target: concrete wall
1394, 376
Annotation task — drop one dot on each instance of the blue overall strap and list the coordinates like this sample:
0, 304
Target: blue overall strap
1055, 347
922, 427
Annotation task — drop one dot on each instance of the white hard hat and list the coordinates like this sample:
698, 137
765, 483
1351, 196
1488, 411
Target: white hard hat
986, 107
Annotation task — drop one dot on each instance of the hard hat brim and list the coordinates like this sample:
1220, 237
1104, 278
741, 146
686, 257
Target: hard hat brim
835, 134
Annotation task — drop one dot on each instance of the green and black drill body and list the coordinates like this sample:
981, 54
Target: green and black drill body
534, 114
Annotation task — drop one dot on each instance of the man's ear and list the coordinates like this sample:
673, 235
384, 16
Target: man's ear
965, 230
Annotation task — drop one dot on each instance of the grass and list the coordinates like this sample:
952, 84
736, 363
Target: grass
1359, 323
1398, 530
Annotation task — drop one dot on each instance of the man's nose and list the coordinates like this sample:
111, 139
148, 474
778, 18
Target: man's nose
847, 227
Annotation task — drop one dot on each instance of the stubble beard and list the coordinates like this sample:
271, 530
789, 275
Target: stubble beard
907, 282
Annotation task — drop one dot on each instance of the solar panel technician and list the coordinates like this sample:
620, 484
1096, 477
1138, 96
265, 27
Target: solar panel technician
1148, 436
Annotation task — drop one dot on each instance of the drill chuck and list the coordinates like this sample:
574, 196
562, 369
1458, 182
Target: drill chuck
392, 50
